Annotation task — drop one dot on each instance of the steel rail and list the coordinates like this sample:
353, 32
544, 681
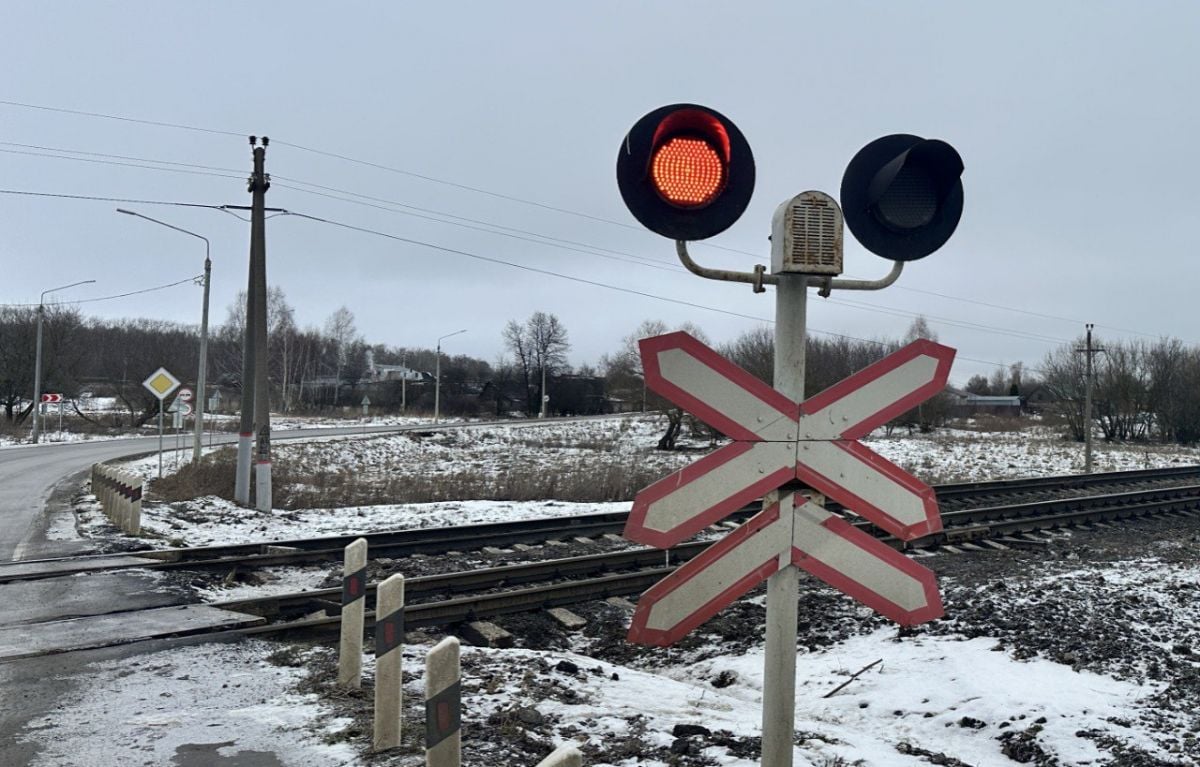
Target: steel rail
437, 540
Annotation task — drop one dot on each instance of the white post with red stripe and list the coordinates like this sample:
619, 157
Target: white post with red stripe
354, 592
389, 651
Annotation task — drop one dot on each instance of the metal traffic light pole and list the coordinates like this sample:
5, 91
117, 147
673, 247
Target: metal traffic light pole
687, 173
783, 588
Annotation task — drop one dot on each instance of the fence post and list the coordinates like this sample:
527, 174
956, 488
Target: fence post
566, 755
389, 649
135, 504
443, 705
354, 589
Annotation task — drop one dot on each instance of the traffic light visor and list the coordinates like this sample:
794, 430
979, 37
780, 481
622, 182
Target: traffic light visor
685, 172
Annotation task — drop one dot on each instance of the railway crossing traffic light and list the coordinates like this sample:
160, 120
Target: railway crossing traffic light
686, 172
902, 196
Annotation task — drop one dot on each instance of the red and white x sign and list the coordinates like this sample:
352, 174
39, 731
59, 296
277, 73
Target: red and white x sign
777, 440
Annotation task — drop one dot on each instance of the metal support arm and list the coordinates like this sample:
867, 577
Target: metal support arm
758, 277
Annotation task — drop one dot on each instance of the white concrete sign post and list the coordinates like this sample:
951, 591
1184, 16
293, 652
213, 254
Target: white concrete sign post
778, 439
161, 383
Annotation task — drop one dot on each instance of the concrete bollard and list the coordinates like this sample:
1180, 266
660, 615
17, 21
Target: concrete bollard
389, 648
443, 705
565, 755
354, 589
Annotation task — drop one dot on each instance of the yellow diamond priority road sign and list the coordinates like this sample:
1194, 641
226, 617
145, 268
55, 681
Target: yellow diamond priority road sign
161, 383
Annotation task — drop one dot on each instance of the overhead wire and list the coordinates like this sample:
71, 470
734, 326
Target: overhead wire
479, 190
221, 172
191, 279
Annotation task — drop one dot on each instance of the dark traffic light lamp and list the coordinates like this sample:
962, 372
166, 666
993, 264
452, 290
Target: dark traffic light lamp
685, 172
902, 196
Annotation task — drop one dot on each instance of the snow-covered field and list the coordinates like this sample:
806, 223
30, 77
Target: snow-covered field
961, 693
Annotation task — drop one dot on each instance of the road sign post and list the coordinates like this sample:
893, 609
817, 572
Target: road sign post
161, 383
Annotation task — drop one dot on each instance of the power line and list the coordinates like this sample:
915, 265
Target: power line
98, 198
356, 161
627, 257
595, 283
523, 267
121, 164
196, 169
82, 113
110, 298
554, 242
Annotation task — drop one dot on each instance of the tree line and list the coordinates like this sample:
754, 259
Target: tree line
1142, 390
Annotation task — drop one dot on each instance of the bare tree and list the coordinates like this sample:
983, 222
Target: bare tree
342, 336
539, 348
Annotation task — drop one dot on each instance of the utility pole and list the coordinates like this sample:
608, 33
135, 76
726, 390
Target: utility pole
404, 382
1090, 351
241, 490
259, 183
542, 410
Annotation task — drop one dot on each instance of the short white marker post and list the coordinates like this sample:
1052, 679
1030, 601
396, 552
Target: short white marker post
565, 755
135, 508
389, 647
354, 590
443, 705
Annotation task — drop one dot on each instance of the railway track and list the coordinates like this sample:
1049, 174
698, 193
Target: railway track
574, 580
457, 597
986, 497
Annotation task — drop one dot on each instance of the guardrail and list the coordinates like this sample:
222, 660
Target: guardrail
120, 495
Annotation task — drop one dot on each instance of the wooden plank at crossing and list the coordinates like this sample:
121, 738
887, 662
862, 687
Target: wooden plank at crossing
30, 640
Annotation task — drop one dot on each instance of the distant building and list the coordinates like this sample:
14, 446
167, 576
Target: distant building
964, 404
377, 373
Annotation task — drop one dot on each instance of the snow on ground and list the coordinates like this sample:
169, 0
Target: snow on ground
579, 452
217, 700
922, 692
968, 698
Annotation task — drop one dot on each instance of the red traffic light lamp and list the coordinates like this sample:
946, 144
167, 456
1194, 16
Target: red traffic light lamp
685, 172
902, 196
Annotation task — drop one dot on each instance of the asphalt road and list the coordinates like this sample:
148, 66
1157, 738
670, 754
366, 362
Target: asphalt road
36, 481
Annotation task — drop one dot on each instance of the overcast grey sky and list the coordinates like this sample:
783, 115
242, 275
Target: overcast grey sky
1077, 122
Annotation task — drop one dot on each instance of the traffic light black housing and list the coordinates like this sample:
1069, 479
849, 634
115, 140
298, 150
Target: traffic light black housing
902, 196
685, 172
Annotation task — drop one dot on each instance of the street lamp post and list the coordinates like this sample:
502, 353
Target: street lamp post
202, 373
37, 361
437, 385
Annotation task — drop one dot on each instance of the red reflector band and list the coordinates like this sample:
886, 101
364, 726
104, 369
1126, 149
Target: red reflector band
687, 172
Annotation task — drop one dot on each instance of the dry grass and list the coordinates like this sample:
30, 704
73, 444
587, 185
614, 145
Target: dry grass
594, 479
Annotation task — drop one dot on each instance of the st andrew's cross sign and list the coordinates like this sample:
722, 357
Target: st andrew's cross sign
775, 441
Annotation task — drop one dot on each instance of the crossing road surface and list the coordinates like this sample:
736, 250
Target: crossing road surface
30, 475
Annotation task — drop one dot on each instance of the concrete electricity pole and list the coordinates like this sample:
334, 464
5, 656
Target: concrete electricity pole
259, 184
1090, 351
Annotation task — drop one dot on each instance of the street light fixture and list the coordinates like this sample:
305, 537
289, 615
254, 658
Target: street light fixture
37, 363
437, 386
201, 375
